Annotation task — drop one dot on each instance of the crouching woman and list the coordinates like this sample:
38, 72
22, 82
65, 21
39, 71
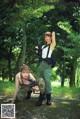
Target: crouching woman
24, 83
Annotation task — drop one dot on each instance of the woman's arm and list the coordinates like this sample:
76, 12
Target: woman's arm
16, 89
53, 44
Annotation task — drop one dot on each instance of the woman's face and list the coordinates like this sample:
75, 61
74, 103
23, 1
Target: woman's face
48, 39
25, 74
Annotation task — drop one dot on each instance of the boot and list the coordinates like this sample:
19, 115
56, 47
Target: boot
44, 96
40, 100
29, 94
48, 99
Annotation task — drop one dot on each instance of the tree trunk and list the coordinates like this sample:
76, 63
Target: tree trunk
24, 47
63, 73
78, 76
3, 74
73, 72
17, 65
72, 76
9, 64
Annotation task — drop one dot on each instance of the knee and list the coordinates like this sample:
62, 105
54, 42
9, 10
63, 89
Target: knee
41, 85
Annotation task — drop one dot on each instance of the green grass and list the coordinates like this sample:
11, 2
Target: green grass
7, 88
60, 109
66, 92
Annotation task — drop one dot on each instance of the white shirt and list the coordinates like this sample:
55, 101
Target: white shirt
44, 52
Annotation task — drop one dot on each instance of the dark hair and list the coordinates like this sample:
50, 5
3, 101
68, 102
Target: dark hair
48, 34
24, 67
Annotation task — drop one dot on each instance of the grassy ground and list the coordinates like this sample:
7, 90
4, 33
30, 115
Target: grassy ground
7, 88
60, 108
66, 92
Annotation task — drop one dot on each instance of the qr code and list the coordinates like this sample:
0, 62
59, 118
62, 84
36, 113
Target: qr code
7, 110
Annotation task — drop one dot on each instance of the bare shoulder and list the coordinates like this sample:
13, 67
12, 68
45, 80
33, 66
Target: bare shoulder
32, 76
17, 77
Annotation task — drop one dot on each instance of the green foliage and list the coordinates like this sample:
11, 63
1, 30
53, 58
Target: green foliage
55, 77
65, 26
34, 17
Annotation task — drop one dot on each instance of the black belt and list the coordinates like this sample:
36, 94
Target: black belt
47, 60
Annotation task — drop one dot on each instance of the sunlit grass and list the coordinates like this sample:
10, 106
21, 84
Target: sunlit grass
66, 103
7, 88
65, 92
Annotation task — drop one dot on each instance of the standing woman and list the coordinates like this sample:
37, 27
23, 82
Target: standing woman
45, 66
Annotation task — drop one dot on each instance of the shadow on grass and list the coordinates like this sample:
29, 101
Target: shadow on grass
60, 109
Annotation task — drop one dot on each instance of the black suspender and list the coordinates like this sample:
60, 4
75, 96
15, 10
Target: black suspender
48, 51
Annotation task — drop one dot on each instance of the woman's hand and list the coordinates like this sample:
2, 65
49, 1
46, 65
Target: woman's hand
37, 49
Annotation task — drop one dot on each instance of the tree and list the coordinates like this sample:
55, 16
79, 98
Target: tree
14, 32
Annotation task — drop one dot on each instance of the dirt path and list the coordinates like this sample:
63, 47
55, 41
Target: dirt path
60, 109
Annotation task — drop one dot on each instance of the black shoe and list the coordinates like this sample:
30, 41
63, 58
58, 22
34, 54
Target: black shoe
48, 99
39, 102
29, 94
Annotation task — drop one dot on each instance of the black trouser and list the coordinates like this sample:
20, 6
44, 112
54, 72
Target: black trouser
33, 83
